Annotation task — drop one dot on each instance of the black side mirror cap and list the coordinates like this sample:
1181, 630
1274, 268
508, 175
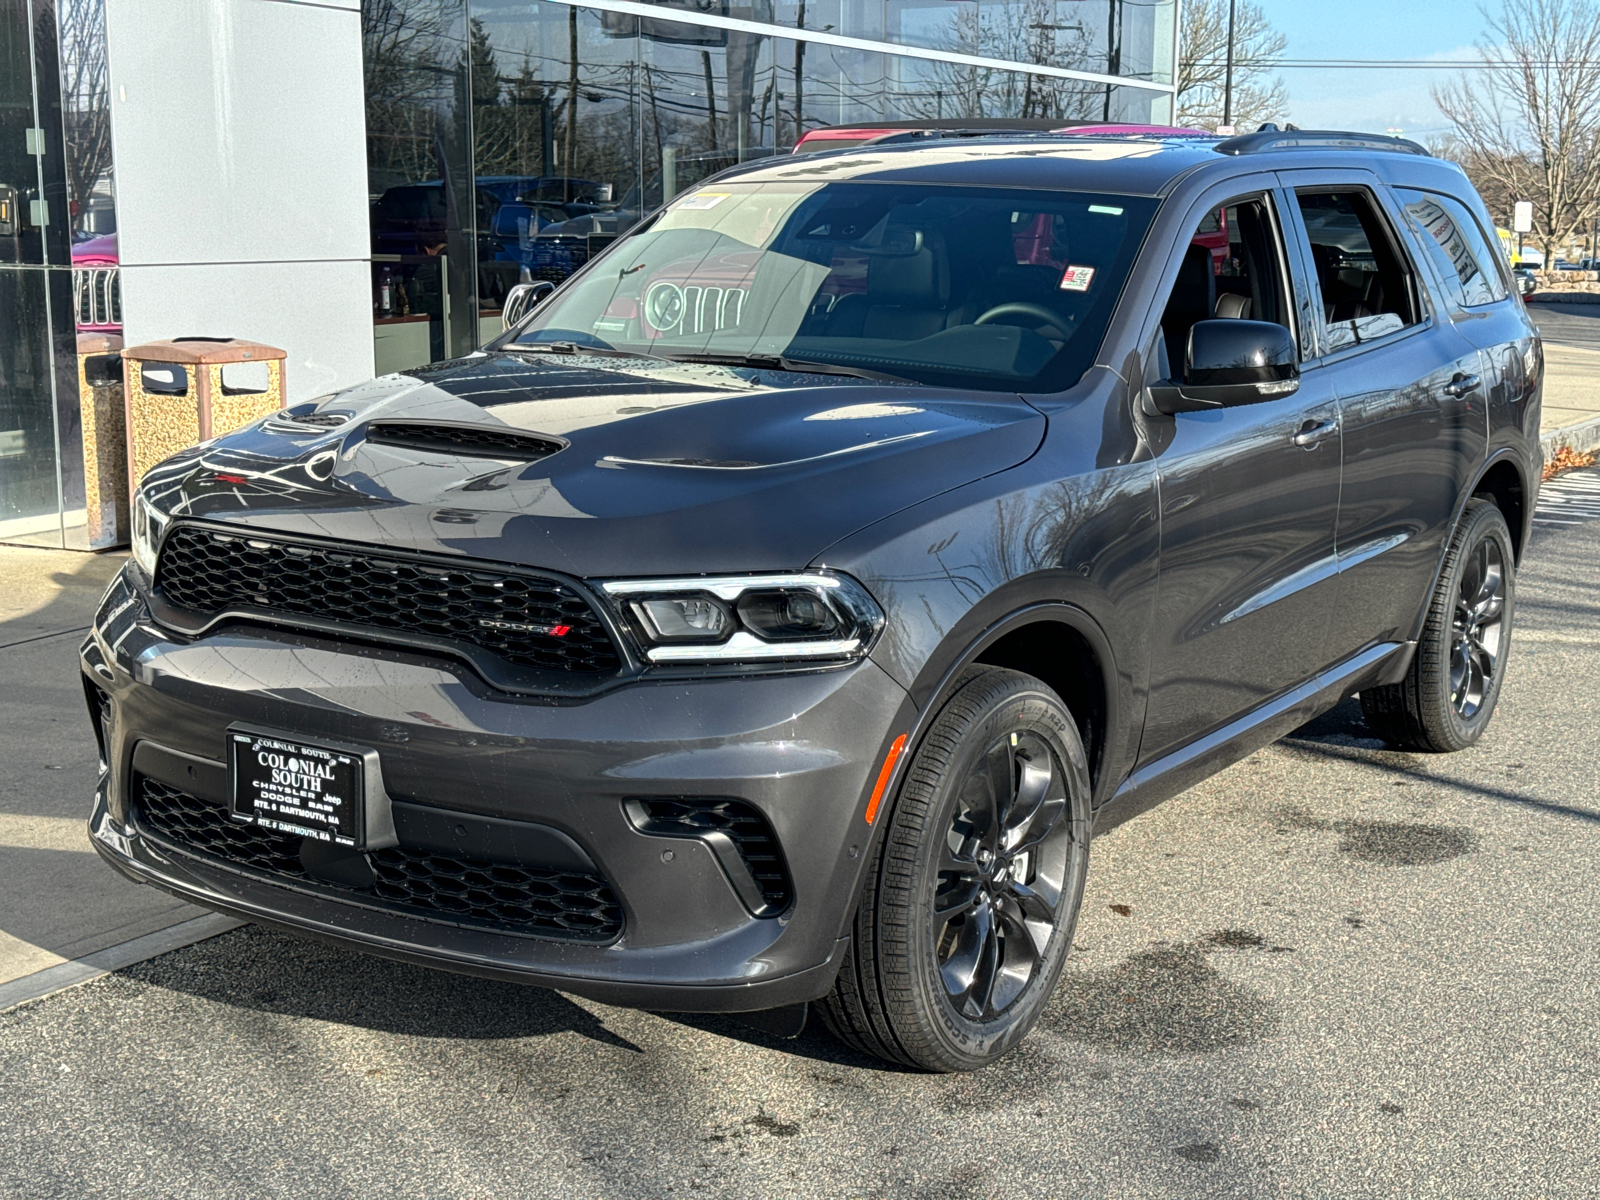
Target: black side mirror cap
1229, 363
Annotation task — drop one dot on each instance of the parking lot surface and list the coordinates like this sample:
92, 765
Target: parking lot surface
1333, 970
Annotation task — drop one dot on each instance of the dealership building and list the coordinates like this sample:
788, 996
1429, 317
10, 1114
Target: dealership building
359, 182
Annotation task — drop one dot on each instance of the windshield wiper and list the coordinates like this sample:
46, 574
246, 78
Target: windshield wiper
574, 348
781, 362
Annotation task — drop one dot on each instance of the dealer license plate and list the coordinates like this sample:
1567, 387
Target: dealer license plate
297, 787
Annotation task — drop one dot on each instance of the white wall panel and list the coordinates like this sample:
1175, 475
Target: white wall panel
239, 136
306, 308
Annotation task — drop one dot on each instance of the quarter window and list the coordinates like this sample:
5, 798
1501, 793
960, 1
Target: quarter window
1364, 279
1455, 240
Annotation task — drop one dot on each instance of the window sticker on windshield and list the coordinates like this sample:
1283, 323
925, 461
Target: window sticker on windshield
704, 200
1076, 279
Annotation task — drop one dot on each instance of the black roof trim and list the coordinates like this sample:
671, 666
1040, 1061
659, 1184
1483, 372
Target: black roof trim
1270, 137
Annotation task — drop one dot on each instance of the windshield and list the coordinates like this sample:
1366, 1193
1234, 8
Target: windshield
992, 288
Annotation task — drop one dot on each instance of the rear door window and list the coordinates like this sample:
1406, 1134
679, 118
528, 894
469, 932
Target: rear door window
1455, 241
1364, 277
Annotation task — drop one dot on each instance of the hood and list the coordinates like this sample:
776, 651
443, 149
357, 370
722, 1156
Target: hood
658, 468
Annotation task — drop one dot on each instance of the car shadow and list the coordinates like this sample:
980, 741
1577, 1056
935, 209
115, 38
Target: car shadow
814, 1042
266, 971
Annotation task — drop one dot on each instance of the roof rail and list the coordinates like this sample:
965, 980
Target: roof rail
1270, 137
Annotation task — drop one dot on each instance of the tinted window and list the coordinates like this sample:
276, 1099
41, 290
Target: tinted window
1230, 270
1364, 280
1456, 242
987, 288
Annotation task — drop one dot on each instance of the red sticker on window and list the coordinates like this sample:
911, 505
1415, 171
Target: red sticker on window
1076, 279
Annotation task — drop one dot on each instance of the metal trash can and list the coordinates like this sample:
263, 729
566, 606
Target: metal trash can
176, 396
105, 439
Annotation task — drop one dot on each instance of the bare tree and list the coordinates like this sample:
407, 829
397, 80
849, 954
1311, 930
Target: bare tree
1023, 31
86, 103
1203, 66
1527, 123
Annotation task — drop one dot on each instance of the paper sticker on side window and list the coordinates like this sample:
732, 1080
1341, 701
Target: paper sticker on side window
704, 200
1076, 279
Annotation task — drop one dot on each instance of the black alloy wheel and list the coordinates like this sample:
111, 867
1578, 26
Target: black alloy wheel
973, 891
1448, 695
1000, 876
1477, 629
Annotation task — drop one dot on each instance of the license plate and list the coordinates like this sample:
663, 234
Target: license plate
297, 787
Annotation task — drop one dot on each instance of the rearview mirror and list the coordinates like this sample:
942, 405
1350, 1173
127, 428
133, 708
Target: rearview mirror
1228, 363
521, 298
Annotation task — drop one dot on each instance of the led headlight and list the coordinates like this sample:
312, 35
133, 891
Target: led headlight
819, 615
149, 523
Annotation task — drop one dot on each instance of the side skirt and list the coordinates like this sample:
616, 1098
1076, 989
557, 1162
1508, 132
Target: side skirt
1188, 765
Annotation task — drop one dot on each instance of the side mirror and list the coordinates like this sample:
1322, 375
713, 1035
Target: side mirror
521, 299
1231, 362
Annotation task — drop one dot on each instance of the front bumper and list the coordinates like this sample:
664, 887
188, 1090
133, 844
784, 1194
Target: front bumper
802, 750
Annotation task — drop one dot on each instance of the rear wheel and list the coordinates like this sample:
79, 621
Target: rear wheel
1449, 692
966, 918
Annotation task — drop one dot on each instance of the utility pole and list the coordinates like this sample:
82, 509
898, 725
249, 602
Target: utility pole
1227, 82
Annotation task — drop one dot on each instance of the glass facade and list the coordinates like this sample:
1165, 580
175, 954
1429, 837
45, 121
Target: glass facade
41, 461
509, 140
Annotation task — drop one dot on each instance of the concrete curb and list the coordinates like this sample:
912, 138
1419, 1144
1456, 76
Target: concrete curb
112, 958
1579, 438
1562, 298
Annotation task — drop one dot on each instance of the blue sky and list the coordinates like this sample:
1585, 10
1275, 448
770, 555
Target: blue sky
1371, 99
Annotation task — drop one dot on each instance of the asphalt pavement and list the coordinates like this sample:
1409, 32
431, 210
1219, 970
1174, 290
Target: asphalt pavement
1333, 970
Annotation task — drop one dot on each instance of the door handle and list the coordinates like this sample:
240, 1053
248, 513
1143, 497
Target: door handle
1313, 432
1461, 385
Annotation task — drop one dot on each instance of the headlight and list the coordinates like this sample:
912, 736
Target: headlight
819, 615
148, 526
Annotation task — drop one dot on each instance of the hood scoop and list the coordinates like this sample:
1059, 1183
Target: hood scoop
475, 441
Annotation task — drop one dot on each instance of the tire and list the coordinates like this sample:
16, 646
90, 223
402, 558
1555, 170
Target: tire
1448, 695
954, 989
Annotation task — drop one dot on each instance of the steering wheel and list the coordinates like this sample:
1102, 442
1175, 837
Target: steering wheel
1021, 308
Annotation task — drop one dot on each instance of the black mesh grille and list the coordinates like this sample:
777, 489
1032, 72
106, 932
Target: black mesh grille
459, 439
748, 829
525, 620
500, 895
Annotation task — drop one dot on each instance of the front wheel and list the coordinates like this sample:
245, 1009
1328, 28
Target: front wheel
1449, 692
966, 918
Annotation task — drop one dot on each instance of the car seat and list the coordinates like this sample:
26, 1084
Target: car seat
907, 296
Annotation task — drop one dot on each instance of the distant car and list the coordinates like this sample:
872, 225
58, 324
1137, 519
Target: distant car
560, 249
1527, 285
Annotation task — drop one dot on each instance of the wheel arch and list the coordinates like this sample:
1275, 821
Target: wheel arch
1059, 644
1501, 480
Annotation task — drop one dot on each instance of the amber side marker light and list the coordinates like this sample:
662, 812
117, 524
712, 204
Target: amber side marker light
883, 776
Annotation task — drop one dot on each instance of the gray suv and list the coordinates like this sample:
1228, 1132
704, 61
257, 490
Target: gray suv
775, 612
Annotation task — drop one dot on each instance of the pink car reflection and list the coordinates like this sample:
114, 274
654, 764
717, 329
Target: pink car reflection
96, 291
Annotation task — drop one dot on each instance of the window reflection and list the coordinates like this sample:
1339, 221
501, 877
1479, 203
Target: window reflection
584, 121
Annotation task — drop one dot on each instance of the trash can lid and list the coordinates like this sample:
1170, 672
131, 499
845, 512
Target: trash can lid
203, 350
99, 343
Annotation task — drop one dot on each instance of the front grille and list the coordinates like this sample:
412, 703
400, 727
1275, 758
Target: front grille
461, 439
526, 620
689, 816
97, 294
419, 882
